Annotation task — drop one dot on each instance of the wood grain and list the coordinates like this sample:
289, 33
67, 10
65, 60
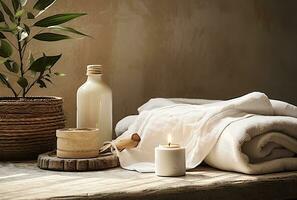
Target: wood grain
50, 161
26, 181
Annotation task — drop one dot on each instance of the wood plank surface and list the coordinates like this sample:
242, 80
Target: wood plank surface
27, 181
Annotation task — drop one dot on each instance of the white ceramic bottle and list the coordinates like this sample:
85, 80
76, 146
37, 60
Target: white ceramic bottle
94, 104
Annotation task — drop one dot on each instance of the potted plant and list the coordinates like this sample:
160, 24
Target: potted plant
28, 124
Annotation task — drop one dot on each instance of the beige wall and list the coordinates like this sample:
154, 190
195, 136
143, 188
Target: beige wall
179, 48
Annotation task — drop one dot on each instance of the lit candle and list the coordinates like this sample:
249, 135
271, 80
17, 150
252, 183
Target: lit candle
170, 159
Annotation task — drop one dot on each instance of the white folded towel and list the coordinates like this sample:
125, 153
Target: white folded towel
124, 123
232, 135
257, 145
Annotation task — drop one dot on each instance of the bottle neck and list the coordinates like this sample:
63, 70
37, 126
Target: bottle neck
95, 78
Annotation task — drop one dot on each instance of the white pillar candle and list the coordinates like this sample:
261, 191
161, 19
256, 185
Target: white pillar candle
170, 160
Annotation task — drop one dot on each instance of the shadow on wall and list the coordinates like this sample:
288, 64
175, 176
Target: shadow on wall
202, 49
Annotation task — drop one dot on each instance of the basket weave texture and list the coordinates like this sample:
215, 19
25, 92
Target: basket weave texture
28, 126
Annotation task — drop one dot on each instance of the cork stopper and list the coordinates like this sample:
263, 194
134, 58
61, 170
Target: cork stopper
94, 69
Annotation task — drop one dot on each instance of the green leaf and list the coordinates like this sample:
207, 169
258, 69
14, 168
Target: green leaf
57, 19
19, 13
5, 28
27, 29
39, 65
2, 18
2, 36
9, 28
2, 60
41, 83
31, 58
8, 66
23, 2
43, 63
4, 80
59, 74
30, 15
15, 4
7, 11
67, 29
5, 49
50, 37
48, 80
43, 4
12, 67
15, 67
23, 82
52, 60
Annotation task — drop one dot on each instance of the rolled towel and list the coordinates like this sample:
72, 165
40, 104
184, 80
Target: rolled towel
257, 145
205, 132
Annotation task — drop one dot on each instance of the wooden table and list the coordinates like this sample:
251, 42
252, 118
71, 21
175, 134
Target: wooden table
26, 181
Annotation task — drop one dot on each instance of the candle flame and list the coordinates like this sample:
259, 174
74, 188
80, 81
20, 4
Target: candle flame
169, 139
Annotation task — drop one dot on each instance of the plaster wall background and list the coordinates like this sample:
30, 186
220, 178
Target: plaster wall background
177, 48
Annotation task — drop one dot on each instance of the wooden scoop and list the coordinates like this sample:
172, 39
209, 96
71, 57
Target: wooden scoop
123, 143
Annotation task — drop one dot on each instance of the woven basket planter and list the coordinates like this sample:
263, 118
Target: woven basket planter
28, 126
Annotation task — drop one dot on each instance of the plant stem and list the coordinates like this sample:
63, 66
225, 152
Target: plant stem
33, 83
21, 57
21, 61
11, 88
24, 47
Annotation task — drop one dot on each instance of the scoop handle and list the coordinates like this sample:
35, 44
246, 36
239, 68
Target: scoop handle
123, 143
128, 143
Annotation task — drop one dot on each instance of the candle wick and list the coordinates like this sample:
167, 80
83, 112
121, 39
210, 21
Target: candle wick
169, 144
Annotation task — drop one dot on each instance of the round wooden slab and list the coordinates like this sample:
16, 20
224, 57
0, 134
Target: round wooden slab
50, 161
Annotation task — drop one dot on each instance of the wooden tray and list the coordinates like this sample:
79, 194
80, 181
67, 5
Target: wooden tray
50, 161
